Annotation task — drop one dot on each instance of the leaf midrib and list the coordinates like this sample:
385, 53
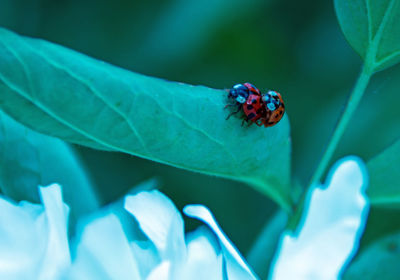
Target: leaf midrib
112, 147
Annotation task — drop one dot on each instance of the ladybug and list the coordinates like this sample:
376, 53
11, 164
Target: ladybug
261, 109
274, 108
239, 94
253, 108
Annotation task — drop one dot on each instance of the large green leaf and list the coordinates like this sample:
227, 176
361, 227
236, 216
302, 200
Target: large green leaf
384, 172
379, 261
29, 159
81, 100
372, 27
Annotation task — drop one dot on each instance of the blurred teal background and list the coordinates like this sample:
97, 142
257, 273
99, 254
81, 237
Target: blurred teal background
295, 47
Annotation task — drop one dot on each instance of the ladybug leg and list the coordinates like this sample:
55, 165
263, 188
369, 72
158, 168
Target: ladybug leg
229, 105
258, 122
235, 112
245, 120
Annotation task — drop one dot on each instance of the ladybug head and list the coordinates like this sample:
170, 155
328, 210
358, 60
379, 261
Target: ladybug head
274, 104
239, 93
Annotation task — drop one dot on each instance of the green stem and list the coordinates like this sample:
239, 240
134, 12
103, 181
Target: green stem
352, 105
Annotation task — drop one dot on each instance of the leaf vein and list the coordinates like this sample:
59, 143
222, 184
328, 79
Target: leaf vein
369, 22
95, 92
201, 131
53, 115
382, 25
387, 58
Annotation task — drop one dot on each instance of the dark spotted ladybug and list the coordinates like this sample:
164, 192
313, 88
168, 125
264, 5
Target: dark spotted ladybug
274, 108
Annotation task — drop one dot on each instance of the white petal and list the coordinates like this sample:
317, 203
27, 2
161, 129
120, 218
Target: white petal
235, 263
146, 256
57, 256
203, 262
104, 252
33, 238
21, 245
161, 272
332, 224
160, 221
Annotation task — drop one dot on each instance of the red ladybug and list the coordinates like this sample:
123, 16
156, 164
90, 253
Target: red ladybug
253, 108
252, 89
239, 95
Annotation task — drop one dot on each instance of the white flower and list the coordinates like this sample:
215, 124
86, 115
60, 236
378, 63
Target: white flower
104, 251
150, 242
33, 238
332, 224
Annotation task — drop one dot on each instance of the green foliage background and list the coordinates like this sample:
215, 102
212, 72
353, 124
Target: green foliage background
295, 47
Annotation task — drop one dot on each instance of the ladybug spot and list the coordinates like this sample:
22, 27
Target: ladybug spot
280, 113
254, 101
271, 122
249, 107
250, 116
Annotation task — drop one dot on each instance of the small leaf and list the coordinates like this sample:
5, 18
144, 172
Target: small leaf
84, 101
378, 261
384, 172
372, 27
29, 159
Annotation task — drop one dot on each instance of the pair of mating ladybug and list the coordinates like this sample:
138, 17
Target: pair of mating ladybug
260, 108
